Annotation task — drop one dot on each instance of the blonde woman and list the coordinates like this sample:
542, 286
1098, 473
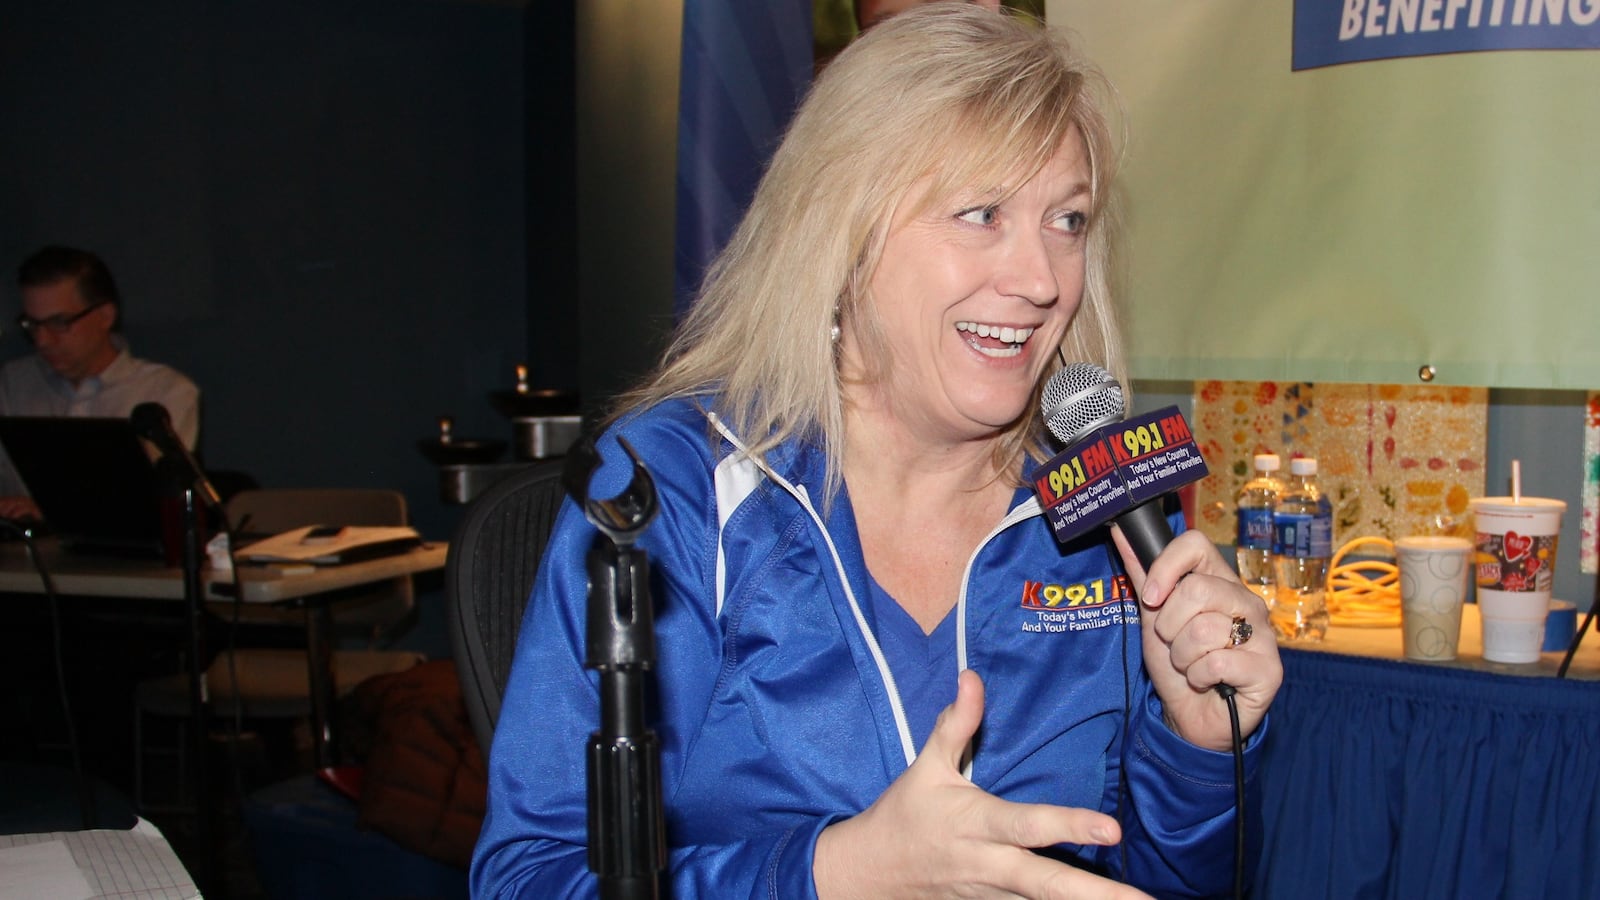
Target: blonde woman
859, 692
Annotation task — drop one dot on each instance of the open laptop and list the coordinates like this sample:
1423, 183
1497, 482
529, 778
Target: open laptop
92, 479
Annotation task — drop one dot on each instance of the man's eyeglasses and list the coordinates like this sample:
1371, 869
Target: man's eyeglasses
56, 324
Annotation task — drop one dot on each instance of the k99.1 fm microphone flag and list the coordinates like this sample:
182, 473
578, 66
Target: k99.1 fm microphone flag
1114, 469
745, 64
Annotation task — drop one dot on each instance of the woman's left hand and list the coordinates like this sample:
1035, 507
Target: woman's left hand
1188, 602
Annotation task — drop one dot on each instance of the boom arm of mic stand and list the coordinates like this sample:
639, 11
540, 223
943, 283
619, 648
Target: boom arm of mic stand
627, 841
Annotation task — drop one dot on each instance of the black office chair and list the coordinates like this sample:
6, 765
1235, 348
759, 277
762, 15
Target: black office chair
488, 574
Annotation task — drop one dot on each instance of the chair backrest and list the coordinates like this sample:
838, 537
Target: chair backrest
368, 610
489, 573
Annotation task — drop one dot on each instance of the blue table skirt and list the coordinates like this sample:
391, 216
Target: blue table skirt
1384, 779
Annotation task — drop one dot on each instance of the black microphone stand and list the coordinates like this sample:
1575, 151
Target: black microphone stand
87, 814
627, 843
181, 481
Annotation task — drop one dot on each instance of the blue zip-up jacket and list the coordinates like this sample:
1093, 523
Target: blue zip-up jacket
776, 712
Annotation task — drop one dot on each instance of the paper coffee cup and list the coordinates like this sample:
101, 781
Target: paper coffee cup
1515, 564
1433, 585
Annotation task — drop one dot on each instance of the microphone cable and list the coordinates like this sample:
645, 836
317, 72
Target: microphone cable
1228, 691
86, 804
235, 591
1127, 714
236, 721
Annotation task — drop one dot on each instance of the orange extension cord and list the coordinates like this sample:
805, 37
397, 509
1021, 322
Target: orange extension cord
1364, 593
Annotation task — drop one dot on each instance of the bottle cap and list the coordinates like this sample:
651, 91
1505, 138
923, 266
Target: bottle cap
1266, 462
1304, 465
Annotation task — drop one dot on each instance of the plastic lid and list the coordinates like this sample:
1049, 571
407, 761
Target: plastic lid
1304, 465
1266, 462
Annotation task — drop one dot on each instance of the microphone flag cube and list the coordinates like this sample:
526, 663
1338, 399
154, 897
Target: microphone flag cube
1114, 468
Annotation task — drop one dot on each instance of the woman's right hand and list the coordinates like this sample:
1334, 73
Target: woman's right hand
935, 834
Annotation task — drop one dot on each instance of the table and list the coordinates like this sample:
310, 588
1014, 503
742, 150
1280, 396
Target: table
99, 576
1383, 778
140, 579
149, 579
1386, 643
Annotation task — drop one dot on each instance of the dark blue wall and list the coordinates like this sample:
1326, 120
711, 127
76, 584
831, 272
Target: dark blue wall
315, 208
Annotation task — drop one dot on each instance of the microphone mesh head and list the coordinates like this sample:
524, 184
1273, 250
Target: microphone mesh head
1079, 398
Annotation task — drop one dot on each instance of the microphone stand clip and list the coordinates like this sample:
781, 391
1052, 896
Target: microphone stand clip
627, 843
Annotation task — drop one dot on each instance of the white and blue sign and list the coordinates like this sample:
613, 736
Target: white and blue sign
1329, 32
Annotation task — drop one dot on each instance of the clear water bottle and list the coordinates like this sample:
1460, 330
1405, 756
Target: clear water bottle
1253, 508
1302, 542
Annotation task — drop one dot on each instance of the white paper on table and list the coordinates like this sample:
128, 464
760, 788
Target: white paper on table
41, 870
354, 542
136, 864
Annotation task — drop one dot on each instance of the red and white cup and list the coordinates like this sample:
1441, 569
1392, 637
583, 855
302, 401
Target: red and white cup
1515, 562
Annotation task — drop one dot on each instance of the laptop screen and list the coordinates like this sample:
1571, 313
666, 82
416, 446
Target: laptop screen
92, 479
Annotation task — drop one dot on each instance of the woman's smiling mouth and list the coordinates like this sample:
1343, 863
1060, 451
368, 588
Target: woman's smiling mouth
996, 341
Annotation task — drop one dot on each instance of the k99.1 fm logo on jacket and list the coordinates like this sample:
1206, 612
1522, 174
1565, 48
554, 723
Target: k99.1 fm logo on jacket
1056, 608
1044, 595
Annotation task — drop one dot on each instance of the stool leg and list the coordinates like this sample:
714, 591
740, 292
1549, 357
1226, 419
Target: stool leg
183, 763
179, 801
138, 758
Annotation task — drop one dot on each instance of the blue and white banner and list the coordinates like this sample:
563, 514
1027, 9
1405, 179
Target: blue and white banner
1400, 219
744, 67
1329, 32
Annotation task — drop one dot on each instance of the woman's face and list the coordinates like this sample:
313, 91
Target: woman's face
974, 296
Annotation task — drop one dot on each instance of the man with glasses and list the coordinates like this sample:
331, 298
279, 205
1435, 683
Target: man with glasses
80, 366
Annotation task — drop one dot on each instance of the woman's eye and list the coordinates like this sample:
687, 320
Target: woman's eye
1072, 222
978, 215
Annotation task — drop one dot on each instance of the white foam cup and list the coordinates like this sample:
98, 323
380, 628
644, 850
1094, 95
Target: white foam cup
1434, 574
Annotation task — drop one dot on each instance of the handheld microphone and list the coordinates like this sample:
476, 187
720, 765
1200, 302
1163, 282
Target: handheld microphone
151, 422
1114, 469
1117, 469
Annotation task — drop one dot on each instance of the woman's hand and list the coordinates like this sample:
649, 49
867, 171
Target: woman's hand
935, 834
1188, 601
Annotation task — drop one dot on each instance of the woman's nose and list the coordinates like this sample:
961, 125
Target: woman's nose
1027, 271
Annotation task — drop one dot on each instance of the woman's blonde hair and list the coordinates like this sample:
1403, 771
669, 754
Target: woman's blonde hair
948, 94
